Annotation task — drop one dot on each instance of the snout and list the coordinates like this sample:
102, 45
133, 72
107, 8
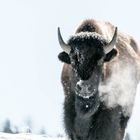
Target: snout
85, 89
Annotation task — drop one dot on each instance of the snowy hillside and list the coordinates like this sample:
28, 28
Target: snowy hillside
25, 136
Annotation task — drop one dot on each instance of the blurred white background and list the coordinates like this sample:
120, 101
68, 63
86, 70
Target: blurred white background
29, 69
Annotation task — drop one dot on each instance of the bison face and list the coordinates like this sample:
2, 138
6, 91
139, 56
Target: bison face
86, 58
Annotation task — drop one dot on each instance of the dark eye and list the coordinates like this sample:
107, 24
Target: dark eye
76, 57
98, 56
73, 57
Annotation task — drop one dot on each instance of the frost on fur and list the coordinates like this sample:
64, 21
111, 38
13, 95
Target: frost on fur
119, 89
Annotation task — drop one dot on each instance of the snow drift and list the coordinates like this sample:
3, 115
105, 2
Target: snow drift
26, 136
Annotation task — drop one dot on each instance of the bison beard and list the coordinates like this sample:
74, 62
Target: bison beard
86, 118
103, 125
89, 111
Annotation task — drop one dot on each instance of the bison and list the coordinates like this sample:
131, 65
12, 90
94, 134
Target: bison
100, 76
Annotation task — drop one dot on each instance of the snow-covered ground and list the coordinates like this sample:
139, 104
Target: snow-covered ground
26, 136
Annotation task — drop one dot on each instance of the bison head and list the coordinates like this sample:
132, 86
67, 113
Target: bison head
87, 52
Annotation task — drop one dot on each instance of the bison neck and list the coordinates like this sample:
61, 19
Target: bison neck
103, 125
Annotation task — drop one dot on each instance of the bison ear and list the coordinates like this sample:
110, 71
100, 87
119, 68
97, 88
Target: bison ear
109, 56
64, 57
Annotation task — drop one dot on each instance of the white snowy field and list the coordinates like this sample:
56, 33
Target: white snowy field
27, 136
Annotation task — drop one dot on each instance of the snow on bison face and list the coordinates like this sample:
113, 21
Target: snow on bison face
86, 52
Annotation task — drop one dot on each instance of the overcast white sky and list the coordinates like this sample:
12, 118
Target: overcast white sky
29, 69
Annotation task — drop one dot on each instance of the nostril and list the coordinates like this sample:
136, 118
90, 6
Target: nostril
78, 87
90, 88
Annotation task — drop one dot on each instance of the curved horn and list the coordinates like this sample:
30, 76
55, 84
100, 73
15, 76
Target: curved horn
64, 46
111, 44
